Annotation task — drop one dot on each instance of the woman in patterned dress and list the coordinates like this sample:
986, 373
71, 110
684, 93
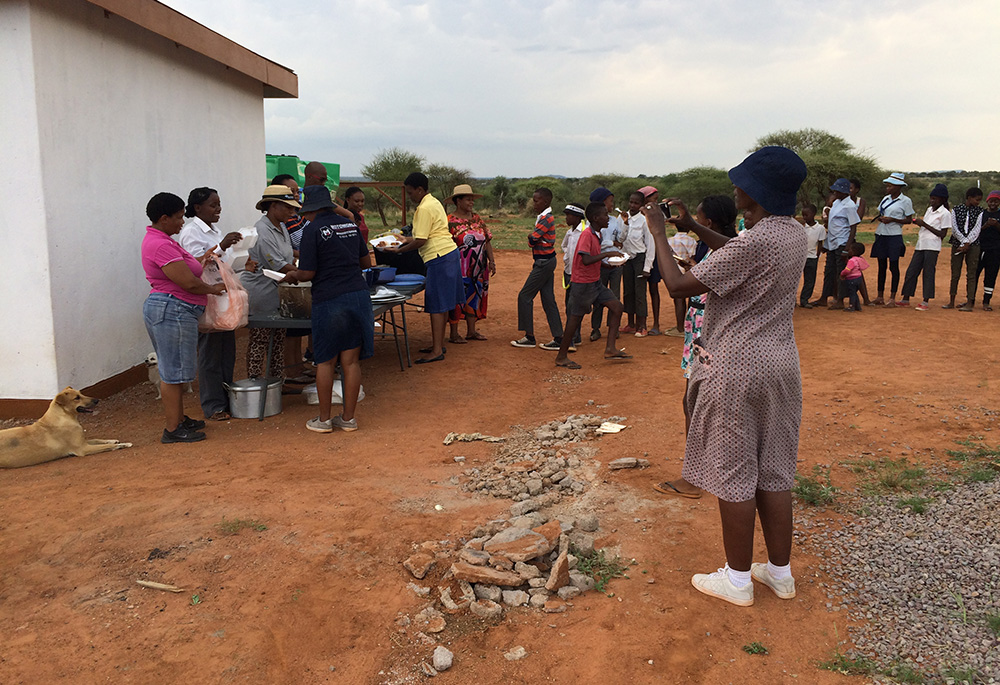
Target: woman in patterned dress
716, 214
476, 253
745, 390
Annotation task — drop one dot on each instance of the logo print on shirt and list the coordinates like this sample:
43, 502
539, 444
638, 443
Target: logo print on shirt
326, 233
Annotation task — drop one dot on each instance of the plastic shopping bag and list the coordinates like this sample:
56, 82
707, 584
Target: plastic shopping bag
228, 311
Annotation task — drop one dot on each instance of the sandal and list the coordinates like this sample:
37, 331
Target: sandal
987, 308
220, 416
667, 488
618, 354
456, 341
476, 336
569, 364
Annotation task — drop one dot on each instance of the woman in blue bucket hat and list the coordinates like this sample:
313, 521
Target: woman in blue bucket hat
745, 392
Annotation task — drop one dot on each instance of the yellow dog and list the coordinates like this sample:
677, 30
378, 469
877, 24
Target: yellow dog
57, 434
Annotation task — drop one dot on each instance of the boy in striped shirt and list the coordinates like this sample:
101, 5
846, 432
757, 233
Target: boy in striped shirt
543, 249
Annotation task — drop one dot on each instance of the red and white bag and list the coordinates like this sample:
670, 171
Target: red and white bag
228, 311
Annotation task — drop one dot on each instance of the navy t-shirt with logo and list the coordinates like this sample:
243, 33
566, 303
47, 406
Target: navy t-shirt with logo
332, 246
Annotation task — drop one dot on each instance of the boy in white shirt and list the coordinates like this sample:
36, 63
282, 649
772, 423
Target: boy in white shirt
815, 234
575, 220
933, 228
637, 243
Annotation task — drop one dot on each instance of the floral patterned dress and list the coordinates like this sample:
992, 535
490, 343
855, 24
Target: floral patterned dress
471, 235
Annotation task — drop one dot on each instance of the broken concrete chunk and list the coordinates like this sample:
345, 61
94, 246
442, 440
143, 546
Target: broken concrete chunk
515, 598
485, 575
419, 564
623, 463
485, 608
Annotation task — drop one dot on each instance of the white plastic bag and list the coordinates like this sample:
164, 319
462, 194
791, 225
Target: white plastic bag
230, 310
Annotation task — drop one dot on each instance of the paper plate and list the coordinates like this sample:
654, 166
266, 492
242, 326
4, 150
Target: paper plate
617, 261
385, 241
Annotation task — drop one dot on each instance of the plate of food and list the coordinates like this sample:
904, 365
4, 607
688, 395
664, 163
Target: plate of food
385, 241
618, 261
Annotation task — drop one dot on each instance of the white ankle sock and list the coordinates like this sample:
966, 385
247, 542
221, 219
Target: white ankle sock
738, 578
779, 572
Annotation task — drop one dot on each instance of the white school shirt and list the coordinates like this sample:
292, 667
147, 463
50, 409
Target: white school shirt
938, 218
814, 234
609, 235
898, 208
196, 237
569, 242
637, 238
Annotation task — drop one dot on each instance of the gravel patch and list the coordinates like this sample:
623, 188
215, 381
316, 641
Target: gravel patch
921, 586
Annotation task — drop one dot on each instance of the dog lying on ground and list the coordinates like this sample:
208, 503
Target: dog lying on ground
57, 434
153, 368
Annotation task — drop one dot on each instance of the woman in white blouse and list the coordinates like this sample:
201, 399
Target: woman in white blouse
216, 350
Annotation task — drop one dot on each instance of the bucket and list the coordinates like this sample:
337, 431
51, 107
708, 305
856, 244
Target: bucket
244, 398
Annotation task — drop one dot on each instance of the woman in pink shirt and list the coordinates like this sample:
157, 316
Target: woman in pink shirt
171, 311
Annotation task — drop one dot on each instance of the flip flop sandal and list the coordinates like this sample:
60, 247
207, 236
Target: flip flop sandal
477, 336
667, 489
570, 364
456, 341
620, 354
220, 416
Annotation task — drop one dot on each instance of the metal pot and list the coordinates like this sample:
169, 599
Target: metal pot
295, 300
244, 397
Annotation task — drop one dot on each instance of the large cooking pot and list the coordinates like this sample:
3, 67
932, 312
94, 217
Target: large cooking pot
295, 300
244, 397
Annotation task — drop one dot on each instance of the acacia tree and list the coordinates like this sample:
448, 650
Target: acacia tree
443, 178
391, 164
827, 157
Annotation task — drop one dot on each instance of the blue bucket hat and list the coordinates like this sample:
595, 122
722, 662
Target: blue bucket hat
940, 190
771, 176
600, 194
316, 198
841, 185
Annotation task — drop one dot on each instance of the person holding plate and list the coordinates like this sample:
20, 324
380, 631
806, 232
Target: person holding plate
431, 238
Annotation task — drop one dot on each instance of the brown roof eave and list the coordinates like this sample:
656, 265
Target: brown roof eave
278, 81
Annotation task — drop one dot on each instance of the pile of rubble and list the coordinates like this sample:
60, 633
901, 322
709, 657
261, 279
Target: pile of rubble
502, 565
533, 468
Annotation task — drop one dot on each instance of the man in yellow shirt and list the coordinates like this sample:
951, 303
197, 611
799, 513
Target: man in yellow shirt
443, 290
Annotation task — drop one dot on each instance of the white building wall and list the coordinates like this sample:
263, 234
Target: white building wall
27, 347
122, 114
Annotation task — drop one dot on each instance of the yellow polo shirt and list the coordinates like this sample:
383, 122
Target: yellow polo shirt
430, 221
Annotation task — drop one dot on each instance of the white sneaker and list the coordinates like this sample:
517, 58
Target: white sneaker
314, 424
718, 585
784, 588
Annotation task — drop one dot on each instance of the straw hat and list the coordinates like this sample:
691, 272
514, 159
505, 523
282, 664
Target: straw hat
279, 193
461, 189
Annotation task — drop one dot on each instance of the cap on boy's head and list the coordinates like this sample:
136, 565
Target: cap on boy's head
600, 194
573, 209
895, 178
940, 190
648, 190
841, 185
993, 194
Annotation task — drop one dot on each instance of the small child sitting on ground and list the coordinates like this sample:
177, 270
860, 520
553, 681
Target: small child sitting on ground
852, 275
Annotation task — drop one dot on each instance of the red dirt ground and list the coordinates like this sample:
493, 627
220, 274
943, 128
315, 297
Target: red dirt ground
314, 597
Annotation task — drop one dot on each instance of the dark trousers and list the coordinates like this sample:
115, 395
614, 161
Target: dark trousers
808, 279
611, 278
216, 359
923, 262
971, 261
853, 285
989, 261
566, 277
833, 284
539, 281
634, 286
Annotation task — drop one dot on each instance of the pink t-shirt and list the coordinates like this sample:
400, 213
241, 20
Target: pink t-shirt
589, 243
855, 265
158, 250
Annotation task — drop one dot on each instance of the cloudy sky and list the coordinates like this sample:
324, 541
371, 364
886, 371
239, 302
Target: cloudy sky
578, 87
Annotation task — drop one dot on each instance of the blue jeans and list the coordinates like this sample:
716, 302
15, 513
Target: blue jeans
172, 325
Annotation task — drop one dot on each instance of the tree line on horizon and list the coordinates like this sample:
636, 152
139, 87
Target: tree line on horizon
827, 157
